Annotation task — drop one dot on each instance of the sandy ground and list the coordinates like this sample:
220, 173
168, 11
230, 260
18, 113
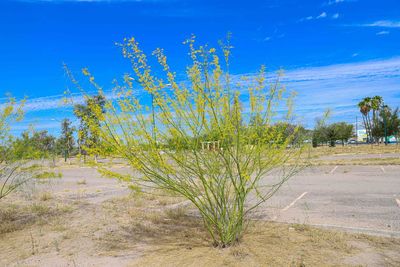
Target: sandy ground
83, 219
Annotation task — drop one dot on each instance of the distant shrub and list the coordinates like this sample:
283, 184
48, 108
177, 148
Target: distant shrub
48, 175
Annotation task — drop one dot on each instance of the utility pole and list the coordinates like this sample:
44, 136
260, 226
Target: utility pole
384, 124
356, 130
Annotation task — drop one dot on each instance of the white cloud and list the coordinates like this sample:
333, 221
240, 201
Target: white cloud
82, 1
274, 36
332, 2
338, 87
354, 55
382, 24
383, 33
373, 68
57, 102
322, 15
335, 16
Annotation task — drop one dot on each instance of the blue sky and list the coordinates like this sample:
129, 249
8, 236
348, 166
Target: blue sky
334, 52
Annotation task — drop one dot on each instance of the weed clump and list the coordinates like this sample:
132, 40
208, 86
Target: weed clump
49, 175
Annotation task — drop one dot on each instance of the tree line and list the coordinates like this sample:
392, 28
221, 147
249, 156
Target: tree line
72, 141
380, 120
76, 141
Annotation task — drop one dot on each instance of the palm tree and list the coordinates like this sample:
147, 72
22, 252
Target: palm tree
376, 106
365, 106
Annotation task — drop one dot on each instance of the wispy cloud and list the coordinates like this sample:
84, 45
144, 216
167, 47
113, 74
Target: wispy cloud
322, 15
335, 16
382, 24
275, 35
338, 87
383, 33
334, 2
92, 1
57, 102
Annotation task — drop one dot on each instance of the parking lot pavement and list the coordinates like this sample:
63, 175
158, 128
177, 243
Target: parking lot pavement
357, 198
360, 156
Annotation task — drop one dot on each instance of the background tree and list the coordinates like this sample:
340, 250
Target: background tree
87, 137
376, 105
34, 145
365, 108
387, 122
66, 142
371, 124
318, 134
344, 131
330, 133
297, 133
218, 182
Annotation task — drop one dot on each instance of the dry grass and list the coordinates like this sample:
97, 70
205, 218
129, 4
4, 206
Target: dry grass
45, 196
14, 217
353, 149
123, 231
175, 238
81, 182
266, 244
363, 162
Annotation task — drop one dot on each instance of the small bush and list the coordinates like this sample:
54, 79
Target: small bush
48, 175
81, 182
199, 139
45, 196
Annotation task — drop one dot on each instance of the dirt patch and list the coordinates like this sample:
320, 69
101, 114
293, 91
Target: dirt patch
143, 230
274, 244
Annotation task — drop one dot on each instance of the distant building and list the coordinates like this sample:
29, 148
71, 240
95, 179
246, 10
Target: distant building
392, 139
362, 135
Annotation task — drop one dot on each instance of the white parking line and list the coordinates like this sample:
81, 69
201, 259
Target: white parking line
333, 170
383, 169
398, 202
294, 202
